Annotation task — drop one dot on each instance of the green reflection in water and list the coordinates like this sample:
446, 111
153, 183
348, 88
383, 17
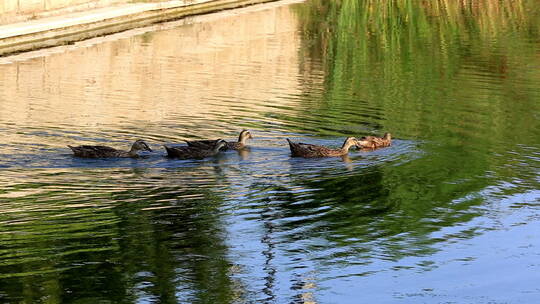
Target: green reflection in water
446, 70
133, 236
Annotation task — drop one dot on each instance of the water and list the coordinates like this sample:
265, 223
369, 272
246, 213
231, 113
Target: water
448, 214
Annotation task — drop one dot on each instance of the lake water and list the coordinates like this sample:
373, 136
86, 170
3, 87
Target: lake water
450, 213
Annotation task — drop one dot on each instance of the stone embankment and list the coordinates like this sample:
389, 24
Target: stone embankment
46, 23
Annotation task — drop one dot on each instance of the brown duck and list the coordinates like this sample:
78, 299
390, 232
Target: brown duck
186, 152
208, 144
374, 142
88, 151
308, 150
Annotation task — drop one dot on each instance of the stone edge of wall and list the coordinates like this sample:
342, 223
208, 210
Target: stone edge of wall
72, 33
15, 16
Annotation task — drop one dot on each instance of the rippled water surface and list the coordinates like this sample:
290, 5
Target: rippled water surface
450, 213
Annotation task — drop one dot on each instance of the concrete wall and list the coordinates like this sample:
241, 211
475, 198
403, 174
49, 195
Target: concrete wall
69, 28
35, 6
22, 10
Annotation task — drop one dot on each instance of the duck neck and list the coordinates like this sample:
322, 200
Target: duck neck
242, 139
346, 146
133, 151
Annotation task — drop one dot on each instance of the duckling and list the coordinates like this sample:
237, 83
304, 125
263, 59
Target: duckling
208, 144
308, 150
374, 142
88, 151
186, 152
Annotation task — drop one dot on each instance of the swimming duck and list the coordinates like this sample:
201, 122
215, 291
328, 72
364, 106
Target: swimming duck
208, 144
308, 150
88, 151
186, 152
373, 142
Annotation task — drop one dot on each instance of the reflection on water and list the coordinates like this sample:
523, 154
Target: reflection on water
448, 212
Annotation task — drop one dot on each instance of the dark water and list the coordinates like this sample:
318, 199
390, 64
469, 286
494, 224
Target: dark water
450, 213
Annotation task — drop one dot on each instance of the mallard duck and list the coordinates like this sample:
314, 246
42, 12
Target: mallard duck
108, 152
307, 150
186, 152
373, 142
208, 144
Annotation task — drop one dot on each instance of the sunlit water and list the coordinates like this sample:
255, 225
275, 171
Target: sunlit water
450, 213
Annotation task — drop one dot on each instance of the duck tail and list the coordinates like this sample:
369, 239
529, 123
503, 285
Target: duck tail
72, 148
292, 146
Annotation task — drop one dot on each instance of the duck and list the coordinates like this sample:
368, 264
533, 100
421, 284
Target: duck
187, 152
308, 150
208, 144
374, 142
88, 151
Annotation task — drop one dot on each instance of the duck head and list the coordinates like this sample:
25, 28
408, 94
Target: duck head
140, 145
244, 135
349, 142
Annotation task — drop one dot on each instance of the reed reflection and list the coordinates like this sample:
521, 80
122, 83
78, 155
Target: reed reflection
421, 69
